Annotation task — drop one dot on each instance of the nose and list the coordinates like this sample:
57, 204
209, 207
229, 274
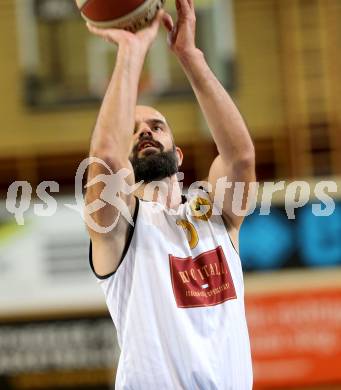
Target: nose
144, 131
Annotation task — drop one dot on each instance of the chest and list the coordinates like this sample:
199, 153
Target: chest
192, 261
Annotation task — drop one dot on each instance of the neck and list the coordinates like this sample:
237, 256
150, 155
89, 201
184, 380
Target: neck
166, 192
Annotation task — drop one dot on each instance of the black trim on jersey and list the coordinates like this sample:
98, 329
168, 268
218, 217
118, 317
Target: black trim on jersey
227, 232
126, 247
232, 243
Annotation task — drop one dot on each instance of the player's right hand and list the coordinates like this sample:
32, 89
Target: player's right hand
143, 38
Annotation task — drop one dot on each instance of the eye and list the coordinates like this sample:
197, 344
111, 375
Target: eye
157, 128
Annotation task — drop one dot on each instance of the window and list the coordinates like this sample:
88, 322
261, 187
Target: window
65, 65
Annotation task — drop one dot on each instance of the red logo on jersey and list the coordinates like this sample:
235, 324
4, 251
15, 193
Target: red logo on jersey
202, 281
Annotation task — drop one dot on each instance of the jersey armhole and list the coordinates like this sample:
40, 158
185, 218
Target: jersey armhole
227, 232
125, 250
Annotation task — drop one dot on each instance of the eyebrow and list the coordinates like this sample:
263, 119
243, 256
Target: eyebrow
156, 121
152, 121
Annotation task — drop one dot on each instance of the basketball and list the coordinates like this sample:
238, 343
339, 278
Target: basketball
130, 15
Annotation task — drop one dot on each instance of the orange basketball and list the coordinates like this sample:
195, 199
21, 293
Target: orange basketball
131, 15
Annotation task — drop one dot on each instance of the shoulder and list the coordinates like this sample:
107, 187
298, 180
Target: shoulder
107, 254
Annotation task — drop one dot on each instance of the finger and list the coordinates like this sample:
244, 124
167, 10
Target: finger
161, 15
95, 30
171, 36
191, 4
183, 6
91, 27
168, 22
152, 29
157, 20
110, 36
160, 19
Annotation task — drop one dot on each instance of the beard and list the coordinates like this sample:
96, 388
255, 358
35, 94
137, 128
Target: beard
155, 166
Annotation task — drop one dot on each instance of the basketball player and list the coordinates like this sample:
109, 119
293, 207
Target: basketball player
173, 282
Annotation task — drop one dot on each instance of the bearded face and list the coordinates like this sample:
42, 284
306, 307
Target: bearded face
151, 162
154, 155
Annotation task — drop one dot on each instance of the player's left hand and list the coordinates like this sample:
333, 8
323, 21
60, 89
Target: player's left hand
181, 36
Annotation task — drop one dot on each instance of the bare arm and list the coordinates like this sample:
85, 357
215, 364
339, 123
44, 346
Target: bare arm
111, 141
236, 158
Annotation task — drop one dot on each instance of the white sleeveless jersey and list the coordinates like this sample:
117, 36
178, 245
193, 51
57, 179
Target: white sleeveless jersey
177, 301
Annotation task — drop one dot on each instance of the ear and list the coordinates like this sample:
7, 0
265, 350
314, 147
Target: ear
180, 155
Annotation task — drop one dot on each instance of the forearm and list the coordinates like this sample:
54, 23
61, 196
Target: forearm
224, 119
115, 122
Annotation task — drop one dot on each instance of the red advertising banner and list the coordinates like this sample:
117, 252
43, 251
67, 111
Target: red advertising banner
295, 338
